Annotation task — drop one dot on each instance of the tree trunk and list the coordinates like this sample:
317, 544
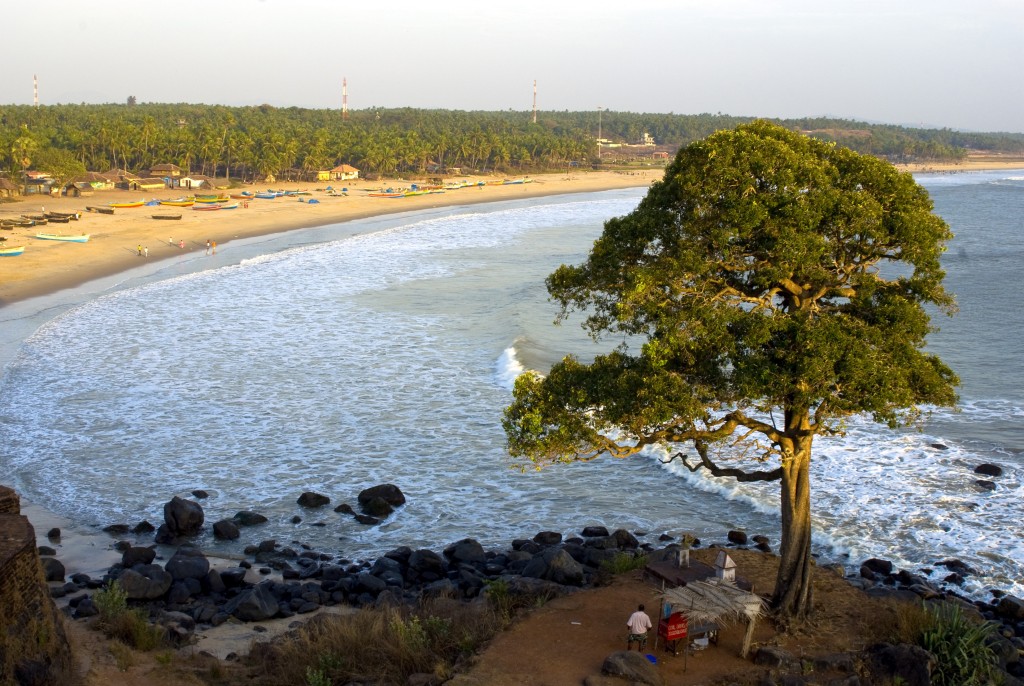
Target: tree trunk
793, 597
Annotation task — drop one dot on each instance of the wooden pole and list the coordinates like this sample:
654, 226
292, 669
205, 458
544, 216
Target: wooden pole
748, 637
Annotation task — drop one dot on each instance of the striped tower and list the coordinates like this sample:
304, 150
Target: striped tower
535, 101
344, 99
35, 90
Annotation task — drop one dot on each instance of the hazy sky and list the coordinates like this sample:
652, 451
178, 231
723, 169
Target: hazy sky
954, 63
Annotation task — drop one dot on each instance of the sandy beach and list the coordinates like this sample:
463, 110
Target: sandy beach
115, 239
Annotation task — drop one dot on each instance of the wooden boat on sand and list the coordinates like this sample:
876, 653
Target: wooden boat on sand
166, 216
101, 210
13, 251
81, 238
136, 203
181, 202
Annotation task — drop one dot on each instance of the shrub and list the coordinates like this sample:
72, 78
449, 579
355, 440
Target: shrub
960, 645
126, 624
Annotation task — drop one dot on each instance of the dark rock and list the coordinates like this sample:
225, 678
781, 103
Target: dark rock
906, 664
985, 485
939, 446
137, 555
367, 520
187, 563
883, 567
296, 519
143, 527
53, 534
117, 529
86, 608
183, 517
988, 470
546, 538
200, 493
467, 550
737, 537
345, 508
594, 531
233, 577
958, 566
226, 530
389, 492
122, 546
213, 582
179, 593
45, 550
555, 564
633, 668
625, 540
249, 518
377, 507
1011, 607
53, 570
253, 604
145, 582
311, 499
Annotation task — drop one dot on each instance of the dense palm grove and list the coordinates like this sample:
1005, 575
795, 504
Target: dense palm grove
255, 142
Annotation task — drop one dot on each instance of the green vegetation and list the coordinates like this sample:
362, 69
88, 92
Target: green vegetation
129, 625
254, 142
961, 645
768, 287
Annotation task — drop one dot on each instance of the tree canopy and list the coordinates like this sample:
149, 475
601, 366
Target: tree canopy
774, 284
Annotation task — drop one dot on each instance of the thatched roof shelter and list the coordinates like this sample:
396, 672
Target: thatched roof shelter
717, 601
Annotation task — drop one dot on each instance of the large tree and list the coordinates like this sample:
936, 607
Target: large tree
773, 284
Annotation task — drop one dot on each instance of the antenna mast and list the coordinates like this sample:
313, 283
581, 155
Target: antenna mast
35, 90
535, 101
344, 99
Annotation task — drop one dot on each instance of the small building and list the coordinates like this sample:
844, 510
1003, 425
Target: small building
98, 182
194, 182
171, 171
9, 189
146, 184
343, 172
725, 568
659, 155
78, 189
647, 139
37, 183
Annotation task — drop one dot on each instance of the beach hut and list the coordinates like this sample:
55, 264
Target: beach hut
710, 603
9, 189
78, 189
343, 172
147, 184
98, 181
171, 171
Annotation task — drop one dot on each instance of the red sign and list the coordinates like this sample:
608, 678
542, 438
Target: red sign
673, 628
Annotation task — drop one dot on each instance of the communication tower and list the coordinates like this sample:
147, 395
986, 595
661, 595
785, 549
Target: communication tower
535, 101
35, 90
344, 99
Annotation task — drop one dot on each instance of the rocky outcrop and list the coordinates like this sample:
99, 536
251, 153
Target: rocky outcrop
33, 645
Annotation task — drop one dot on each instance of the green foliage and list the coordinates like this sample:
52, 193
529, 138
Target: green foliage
126, 624
768, 287
960, 645
316, 677
624, 562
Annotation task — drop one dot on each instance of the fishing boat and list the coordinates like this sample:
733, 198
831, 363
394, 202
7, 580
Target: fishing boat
12, 251
101, 210
134, 203
81, 238
74, 216
35, 218
10, 224
511, 182
231, 206
209, 199
181, 202
58, 220
392, 194
205, 208
166, 216
269, 195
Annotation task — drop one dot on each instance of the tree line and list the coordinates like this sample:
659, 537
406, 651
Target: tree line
259, 141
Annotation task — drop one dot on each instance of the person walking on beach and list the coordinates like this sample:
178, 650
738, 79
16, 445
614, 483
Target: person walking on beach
170, 241
145, 251
207, 246
140, 249
215, 247
181, 244
638, 624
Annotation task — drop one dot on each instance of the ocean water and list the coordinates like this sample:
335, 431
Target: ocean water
384, 351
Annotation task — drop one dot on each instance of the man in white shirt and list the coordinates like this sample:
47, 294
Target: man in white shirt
638, 625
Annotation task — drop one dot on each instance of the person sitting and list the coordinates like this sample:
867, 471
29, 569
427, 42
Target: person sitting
638, 625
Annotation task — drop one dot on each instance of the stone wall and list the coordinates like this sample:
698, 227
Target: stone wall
33, 645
